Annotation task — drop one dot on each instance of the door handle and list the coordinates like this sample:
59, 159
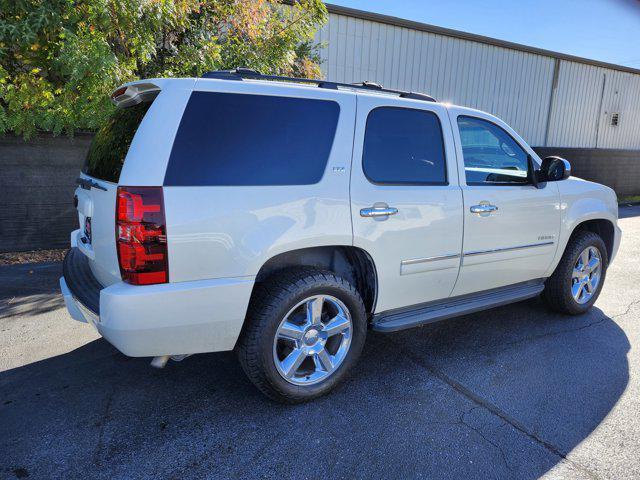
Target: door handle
483, 208
378, 211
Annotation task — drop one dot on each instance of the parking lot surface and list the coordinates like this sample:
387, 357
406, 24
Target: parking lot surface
514, 392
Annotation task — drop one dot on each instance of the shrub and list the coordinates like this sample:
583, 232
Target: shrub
60, 59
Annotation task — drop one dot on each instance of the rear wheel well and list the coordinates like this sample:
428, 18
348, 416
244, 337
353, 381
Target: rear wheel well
603, 228
351, 263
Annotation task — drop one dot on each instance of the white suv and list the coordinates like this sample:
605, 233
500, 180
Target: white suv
283, 218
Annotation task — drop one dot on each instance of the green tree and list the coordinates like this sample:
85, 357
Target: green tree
60, 59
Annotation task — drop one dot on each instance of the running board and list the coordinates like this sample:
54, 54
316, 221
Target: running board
425, 313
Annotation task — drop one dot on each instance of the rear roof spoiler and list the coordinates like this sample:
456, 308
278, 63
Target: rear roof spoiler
133, 94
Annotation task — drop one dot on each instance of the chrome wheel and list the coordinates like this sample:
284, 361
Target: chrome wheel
586, 275
312, 340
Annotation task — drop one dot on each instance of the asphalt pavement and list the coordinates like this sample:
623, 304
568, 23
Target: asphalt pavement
514, 392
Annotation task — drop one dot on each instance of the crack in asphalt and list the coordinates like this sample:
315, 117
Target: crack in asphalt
105, 417
570, 330
551, 334
491, 408
478, 431
627, 311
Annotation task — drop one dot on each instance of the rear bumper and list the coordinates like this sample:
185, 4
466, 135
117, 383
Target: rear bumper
165, 319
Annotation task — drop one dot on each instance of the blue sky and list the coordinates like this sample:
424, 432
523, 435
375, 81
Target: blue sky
606, 30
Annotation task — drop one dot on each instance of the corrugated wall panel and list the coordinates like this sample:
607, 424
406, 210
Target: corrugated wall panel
511, 84
621, 96
515, 85
576, 106
584, 102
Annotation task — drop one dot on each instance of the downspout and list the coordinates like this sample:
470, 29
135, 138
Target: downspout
604, 83
554, 86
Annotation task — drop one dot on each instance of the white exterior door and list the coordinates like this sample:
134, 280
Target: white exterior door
406, 200
510, 227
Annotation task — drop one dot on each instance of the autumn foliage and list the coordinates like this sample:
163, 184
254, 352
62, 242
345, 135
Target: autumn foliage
60, 59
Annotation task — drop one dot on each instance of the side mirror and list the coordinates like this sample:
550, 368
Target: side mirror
554, 169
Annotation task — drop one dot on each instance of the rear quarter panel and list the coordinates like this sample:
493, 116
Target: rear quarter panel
231, 231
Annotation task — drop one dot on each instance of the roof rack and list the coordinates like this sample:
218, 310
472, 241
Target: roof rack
241, 73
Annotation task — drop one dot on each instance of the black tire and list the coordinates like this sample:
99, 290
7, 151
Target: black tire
270, 302
557, 292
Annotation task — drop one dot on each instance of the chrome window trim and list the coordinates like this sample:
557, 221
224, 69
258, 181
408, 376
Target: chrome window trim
507, 249
414, 261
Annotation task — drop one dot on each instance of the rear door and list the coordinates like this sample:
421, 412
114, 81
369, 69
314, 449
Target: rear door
510, 226
406, 202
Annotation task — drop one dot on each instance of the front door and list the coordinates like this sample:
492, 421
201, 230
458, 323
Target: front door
406, 201
510, 226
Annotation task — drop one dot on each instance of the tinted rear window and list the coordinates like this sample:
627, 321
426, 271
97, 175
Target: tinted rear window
237, 139
404, 146
111, 143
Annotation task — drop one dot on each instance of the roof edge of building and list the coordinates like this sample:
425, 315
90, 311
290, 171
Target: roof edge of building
425, 27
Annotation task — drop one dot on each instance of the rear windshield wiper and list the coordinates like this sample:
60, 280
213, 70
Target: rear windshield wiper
87, 183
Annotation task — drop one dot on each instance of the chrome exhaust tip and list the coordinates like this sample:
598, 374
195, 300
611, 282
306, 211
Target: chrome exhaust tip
160, 362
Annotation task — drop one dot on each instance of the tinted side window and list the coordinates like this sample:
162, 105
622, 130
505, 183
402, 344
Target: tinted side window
111, 143
491, 155
403, 146
237, 139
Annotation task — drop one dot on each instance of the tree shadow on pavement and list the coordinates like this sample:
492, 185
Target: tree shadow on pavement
506, 393
30, 288
33, 304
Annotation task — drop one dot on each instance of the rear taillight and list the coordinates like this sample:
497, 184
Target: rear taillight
141, 235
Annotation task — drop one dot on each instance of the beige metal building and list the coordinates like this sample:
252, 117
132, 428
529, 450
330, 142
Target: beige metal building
551, 99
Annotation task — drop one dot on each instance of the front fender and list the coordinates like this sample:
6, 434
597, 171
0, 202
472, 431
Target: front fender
581, 201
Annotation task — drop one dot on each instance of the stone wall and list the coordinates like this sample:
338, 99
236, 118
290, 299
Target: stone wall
618, 169
37, 180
